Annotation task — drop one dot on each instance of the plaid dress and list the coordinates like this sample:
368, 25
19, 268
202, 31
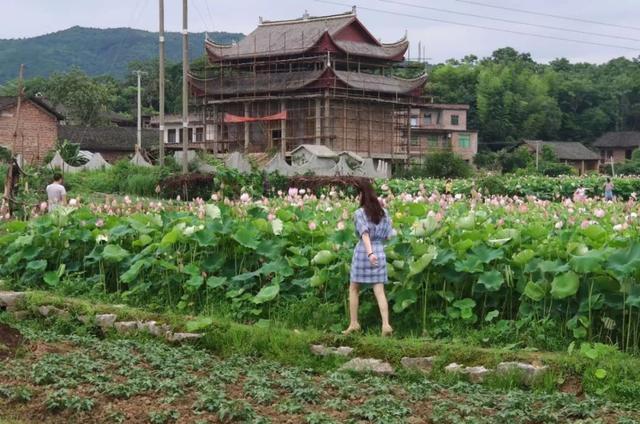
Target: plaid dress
361, 269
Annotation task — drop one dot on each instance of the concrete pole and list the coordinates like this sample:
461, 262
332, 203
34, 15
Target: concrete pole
318, 134
185, 92
139, 132
246, 128
283, 130
161, 85
537, 153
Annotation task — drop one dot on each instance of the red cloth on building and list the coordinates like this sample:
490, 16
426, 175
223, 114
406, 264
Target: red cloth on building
235, 119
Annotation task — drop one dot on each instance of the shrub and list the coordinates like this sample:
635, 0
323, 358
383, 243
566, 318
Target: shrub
554, 169
445, 165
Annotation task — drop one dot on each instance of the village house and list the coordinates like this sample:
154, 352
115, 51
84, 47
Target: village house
113, 143
617, 145
173, 129
570, 153
37, 131
438, 127
322, 80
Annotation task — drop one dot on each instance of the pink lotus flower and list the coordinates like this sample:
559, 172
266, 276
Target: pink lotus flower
559, 225
585, 224
100, 223
244, 197
43, 206
312, 225
302, 191
599, 213
340, 225
73, 202
271, 217
293, 192
617, 227
500, 222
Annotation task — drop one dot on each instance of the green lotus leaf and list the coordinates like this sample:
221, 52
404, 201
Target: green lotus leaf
491, 280
267, 293
565, 285
403, 299
534, 291
114, 253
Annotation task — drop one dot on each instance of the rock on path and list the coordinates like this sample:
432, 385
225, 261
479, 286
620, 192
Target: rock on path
376, 366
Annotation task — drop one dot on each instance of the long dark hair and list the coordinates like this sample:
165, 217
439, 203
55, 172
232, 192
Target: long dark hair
369, 202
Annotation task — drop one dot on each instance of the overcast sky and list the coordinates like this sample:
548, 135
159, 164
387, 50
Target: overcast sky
443, 40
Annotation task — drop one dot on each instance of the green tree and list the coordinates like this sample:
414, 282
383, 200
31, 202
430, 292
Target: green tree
85, 99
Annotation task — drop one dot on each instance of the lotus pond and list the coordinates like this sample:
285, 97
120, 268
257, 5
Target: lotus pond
518, 269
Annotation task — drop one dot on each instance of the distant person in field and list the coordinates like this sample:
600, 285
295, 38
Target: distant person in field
369, 264
608, 190
448, 187
56, 193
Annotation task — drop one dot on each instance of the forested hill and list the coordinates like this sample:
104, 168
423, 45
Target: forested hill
95, 51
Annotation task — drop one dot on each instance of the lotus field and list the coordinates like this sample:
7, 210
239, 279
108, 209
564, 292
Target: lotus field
456, 261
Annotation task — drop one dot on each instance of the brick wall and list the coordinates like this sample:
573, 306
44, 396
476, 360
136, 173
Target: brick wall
38, 135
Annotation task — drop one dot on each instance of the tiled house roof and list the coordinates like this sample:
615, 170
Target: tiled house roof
619, 139
566, 150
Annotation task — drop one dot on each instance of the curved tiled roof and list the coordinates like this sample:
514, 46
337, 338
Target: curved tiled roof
297, 36
292, 81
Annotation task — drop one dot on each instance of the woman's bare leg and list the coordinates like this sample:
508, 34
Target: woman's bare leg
378, 291
354, 300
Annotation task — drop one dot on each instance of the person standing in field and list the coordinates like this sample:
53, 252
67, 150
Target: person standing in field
448, 187
369, 264
56, 193
608, 190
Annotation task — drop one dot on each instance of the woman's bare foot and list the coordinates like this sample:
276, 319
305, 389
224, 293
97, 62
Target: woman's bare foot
387, 331
352, 329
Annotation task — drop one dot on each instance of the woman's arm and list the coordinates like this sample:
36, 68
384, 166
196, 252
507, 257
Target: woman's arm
367, 245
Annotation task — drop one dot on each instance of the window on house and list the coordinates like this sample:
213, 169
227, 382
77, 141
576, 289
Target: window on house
427, 118
464, 141
455, 119
414, 121
415, 140
446, 143
171, 136
190, 136
276, 134
433, 141
199, 134
628, 153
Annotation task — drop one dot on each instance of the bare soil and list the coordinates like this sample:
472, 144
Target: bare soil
10, 340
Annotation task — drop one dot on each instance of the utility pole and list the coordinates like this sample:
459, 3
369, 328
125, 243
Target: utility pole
161, 86
139, 138
613, 172
18, 109
537, 153
185, 93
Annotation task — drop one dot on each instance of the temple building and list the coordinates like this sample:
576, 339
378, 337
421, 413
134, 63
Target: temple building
322, 80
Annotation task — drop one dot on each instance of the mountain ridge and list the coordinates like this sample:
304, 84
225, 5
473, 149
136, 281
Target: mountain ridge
96, 51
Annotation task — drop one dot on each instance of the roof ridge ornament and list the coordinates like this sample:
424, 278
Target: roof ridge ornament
260, 20
305, 17
354, 10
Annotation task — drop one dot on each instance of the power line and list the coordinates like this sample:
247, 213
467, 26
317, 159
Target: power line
510, 21
468, 25
549, 15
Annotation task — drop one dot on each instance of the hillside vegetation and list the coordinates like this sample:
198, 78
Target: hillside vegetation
95, 51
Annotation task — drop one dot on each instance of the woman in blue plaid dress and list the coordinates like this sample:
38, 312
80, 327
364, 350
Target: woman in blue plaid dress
369, 264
